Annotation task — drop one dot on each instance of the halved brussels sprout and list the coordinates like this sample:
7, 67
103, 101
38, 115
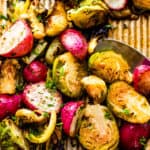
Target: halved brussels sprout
89, 14
109, 66
127, 104
95, 87
67, 74
98, 130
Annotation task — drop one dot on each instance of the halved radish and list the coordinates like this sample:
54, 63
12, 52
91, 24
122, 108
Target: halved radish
70, 115
17, 40
37, 96
116, 4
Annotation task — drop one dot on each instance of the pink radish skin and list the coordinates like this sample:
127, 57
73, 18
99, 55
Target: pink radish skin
37, 96
9, 104
131, 134
67, 114
141, 79
116, 4
35, 72
75, 42
17, 40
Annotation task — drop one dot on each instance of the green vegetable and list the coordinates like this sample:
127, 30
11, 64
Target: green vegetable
11, 137
67, 73
36, 52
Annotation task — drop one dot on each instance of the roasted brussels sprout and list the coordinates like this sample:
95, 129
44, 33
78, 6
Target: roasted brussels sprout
54, 49
57, 21
109, 66
90, 13
95, 87
67, 74
98, 130
127, 104
11, 137
142, 4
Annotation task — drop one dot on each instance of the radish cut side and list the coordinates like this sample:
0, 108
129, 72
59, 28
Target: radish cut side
37, 96
116, 4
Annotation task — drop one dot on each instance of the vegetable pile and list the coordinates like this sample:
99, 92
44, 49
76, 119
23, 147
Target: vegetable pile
54, 86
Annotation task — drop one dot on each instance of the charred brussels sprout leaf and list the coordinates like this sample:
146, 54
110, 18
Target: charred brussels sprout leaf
11, 137
109, 66
127, 104
98, 132
67, 74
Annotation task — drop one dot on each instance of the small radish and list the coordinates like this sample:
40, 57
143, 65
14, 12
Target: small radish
141, 79
37, 96
75, 42
116, 4
9, 104
70, 115
36, 71
134, 136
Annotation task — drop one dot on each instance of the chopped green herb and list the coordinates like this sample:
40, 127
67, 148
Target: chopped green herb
50, 84
50, 105
14, 118
34, 132
46, 114
39, 17
3, 17
143, 141
108, 115
109, 26
126, 111
59, 124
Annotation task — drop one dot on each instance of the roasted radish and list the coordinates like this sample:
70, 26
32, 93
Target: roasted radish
70, 115
75, 42
141, 78
134, 136
35, 72
9, 104
116, 4
37, 96
17, 40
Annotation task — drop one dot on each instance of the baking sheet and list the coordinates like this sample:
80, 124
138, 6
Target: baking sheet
136, 33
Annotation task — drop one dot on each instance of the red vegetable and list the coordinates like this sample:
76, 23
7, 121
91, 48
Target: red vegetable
75, 42
17, 40
35, 72
141, 79
116, 4
69, 116
134, 136
37, 96
9, 104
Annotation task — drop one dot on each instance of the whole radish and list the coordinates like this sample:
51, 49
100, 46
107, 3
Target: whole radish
134, 136
9, 104
36, 71
75, 42
141, 79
